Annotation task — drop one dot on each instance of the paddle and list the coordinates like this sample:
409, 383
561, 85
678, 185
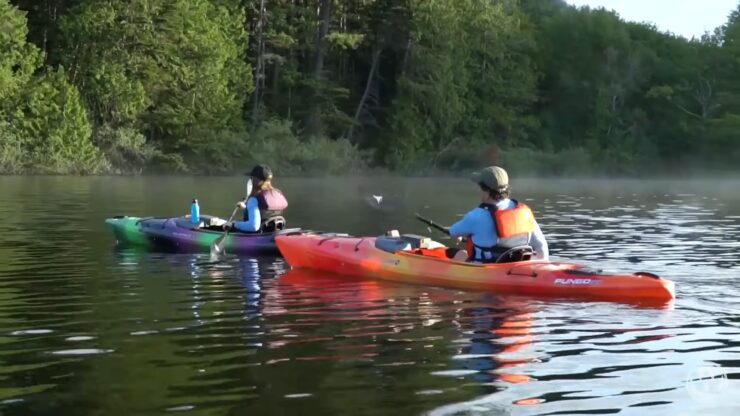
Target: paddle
433, 224
379, 199
441, 228
218, 245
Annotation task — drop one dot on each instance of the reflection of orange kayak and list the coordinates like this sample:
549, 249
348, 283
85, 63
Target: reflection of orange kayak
507, 320
355, 256
519, 331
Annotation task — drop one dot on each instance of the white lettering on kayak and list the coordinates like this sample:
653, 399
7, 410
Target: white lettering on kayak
560, 281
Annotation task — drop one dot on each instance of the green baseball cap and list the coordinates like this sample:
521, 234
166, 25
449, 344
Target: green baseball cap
493, 177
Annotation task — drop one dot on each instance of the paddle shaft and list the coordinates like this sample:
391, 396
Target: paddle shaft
433, 224
232, 215
219, 241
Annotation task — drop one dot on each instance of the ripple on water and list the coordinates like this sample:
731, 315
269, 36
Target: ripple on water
177, 333
83, 351
79, 338
31, 332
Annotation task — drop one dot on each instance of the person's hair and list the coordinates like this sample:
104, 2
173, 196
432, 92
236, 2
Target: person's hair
498, 194
260, 186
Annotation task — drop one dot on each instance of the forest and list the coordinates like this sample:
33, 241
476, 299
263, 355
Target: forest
336, 86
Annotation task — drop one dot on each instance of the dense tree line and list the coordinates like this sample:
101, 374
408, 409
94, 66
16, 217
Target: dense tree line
90, 86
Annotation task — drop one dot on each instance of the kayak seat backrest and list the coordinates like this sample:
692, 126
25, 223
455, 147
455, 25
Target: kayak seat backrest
273, 224
514, 254
416, 241
392, 244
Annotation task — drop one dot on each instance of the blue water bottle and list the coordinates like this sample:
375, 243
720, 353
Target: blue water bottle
194, 212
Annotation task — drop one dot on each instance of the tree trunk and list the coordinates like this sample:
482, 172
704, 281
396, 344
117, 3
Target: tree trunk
324, 17
313, 124
259, 71
406, 53
368, 84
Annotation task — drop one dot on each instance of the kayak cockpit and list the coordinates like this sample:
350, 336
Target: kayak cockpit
393, 242
209, 223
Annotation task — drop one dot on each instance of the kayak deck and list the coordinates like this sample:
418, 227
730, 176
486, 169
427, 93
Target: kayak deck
355, 256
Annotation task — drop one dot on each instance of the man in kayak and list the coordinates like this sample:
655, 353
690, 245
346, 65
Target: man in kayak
265, 204
498, 223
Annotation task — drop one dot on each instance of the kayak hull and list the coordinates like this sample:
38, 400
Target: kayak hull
175, 234
355, 256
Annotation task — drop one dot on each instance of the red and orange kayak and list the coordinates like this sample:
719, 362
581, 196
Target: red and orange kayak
359, 256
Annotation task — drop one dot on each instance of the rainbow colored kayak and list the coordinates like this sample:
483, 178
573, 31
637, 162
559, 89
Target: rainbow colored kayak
178, 234
367, 257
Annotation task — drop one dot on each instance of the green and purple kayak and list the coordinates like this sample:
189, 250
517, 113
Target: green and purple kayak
178, 234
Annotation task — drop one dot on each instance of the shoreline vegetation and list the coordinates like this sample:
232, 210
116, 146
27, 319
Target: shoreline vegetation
315, 87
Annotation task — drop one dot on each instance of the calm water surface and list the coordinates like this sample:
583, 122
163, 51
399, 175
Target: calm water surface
87, 328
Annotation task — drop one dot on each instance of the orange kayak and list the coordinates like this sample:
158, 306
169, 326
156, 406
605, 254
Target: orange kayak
359, 256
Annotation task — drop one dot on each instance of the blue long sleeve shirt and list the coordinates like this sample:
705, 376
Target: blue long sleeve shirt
479, 226
254, 221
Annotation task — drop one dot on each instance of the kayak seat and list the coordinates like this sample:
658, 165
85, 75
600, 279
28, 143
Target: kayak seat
207, 222
273, 224
514, 254
270, 226
404, 242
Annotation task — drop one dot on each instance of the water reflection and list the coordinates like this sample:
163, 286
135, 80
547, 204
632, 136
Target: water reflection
499, 341
88, 330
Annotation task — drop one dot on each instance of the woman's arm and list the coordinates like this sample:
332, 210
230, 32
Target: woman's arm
255, 218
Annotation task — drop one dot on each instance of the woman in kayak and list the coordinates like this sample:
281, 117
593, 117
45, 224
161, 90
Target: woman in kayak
498, 223
265, 204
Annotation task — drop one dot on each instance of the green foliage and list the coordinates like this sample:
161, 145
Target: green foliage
216, 152
207, 86
345, 40
520, 161
502, 76
54, 125
18, 58
125, 148
12, 151
430, 102
470, 74
275, 144
175, 70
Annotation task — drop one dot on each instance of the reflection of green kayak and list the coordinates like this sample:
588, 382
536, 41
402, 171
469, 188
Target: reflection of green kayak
179, 234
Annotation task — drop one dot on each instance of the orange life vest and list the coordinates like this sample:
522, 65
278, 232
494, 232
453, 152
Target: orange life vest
511, 222
508, 222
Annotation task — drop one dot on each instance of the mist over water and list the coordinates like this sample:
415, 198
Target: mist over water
90, 328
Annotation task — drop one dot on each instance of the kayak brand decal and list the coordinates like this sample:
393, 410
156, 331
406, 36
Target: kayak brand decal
576, 282
392, 262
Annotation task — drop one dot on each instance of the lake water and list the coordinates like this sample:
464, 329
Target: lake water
87, 328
